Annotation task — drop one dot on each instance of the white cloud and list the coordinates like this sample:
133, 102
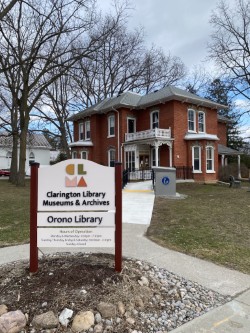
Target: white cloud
181, 27
245, 131
242, 105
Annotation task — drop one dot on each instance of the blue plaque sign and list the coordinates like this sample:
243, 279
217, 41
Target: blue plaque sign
165, 180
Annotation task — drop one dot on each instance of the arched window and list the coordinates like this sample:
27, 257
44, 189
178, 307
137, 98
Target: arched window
196, 157
74, 154
154, 119
84, 154
191, 120
111, 125
111, 157
210, 159
201, 121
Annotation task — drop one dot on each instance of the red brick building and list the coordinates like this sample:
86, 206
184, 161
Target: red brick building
169, 127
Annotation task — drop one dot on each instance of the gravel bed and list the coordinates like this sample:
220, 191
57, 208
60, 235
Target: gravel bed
145, 298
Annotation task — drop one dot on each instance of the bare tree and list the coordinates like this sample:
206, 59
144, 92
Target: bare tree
123, 63
9, 114
42, 39
6, 7
197, 80
54, 108
230, 41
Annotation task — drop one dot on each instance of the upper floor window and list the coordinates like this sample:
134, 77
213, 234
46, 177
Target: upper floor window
201, 121
111, 125
87, 129
191, 120
210, 159
131, 125
196, 152
154, 119
81, 131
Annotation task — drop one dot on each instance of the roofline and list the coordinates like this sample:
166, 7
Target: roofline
98, 109
205, 103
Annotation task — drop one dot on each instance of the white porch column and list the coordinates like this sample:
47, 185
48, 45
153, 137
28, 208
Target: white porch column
222, 160
156, 155
226, 161
239, 172
170, 156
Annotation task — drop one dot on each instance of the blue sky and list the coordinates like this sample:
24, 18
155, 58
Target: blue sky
180, 27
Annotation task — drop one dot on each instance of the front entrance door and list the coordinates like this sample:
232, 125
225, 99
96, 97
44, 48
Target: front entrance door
144, 161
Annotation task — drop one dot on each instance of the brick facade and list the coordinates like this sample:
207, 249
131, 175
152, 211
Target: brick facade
173, 114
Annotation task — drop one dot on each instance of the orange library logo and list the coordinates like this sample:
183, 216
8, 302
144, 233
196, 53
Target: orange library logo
75, 171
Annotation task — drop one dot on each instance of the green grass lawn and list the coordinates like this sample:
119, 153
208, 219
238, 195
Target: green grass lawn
212, 223
14, 213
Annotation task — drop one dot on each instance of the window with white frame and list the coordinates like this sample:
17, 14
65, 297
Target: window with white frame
210, 158
111, 125
201, 121
87, 130
130, 160
196, 158
74, 154
111, 157
154, 119
84, 154
81, 131
191, 120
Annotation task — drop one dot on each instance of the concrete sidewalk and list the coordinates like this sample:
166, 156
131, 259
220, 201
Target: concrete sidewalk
233, 317
138, 203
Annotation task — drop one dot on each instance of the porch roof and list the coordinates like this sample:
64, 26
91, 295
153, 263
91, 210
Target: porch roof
223, 150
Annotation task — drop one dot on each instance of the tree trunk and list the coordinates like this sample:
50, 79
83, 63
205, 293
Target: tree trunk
64, 143
14, 159
24, 124
22, 157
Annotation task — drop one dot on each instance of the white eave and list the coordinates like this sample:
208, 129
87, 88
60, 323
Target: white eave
87, 143
200, 136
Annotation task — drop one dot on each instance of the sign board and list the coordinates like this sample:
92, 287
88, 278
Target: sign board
73, 219
75, 203
76, 185
75, 237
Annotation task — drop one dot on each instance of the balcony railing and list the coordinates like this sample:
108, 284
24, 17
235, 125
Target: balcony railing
149, 134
